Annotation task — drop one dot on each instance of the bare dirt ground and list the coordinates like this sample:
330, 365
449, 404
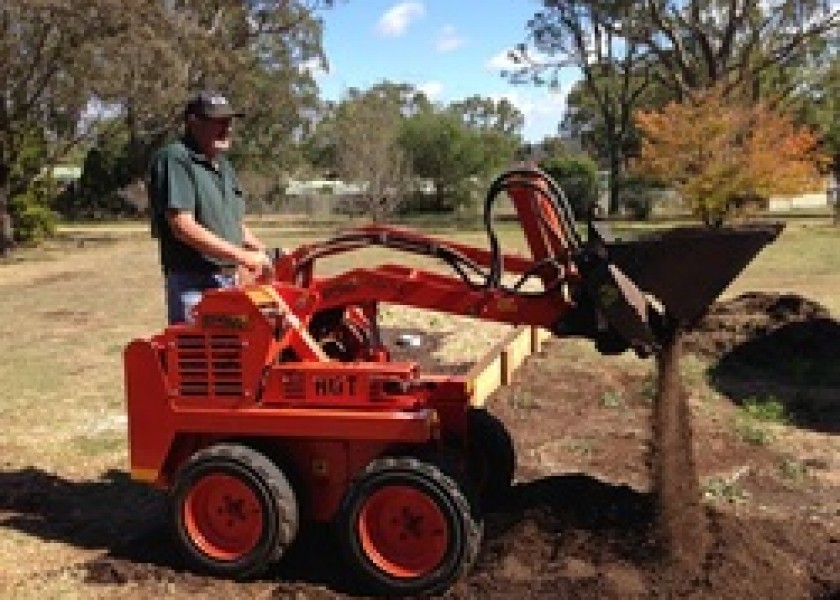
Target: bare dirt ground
581, 519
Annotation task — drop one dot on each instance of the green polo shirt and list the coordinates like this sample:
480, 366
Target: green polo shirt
182, 179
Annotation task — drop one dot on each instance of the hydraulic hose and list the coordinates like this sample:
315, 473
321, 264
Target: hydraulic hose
560, 208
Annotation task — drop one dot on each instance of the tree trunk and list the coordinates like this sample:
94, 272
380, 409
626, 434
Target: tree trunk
615, 184
834, 199
6, 229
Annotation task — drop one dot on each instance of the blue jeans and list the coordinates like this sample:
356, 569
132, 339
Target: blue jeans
184, 288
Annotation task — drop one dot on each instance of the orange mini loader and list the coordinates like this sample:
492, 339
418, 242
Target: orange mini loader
278, 405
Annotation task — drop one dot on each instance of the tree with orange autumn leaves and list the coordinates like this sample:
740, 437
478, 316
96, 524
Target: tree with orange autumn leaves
716, 151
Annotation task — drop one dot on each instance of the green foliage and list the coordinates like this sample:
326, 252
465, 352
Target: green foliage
109, 166
34, 220
486, 114
723, 489
612, 399
750, 431
635, 195
768, 409
793, 470
577, 177
818, 104
445, 151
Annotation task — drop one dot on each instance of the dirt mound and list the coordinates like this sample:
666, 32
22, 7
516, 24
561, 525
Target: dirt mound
779, 346
766, 330
547, 554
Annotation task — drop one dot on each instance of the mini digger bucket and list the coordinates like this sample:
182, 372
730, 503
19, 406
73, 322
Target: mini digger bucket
633, 293
639, 292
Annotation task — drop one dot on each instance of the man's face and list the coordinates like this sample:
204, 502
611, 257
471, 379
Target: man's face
211, 134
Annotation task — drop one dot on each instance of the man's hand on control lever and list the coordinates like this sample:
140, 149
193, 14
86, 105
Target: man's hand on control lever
257, 262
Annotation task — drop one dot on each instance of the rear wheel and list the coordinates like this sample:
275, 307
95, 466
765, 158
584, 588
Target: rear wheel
406, 528
234, 511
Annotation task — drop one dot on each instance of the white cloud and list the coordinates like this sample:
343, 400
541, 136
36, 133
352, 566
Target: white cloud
448, 39
500, 62
315, 66
542, 108
432, 89
397, 19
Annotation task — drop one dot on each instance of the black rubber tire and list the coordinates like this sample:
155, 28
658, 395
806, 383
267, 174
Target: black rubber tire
269, 489
491, 457
463, 531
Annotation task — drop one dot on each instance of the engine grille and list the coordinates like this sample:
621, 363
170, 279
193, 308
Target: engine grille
209, 365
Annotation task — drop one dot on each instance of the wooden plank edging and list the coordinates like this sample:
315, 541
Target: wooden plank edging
497, 367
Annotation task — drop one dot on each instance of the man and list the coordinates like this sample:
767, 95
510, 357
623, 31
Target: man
197, 208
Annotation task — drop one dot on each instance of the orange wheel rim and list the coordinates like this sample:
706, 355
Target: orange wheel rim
223, 517
403, 531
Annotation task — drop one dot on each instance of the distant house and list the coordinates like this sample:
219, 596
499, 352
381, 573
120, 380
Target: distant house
809, 201
334, 187
65, 175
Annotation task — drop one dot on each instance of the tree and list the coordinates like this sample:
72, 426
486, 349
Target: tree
577, 176
70, 69
547, 148
818, 104
699, 44
252, 51
367, 149
48, 49
498, 124
684, 46
320, 145
715, 151
594, 37
486, 114
444, 150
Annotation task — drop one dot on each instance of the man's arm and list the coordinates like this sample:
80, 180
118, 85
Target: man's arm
251, 241
186, 229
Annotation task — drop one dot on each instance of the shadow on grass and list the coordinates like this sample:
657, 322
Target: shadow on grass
796, 365
99, 513
129, 523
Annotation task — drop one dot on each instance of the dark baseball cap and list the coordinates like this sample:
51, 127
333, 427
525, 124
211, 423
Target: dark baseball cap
211, 105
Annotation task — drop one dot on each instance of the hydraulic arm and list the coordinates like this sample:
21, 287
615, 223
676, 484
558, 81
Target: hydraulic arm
566, 285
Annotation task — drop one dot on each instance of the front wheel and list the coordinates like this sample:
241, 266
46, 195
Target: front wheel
406, 528
234, 511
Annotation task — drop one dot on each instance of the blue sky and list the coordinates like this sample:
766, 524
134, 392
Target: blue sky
449, 49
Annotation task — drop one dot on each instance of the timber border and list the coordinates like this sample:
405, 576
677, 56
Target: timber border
497, 367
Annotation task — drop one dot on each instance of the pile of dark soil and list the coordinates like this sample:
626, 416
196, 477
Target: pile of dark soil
785, 334
608, 552
779, 346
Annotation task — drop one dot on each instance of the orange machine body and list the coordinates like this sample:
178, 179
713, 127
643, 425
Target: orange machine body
247, 367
